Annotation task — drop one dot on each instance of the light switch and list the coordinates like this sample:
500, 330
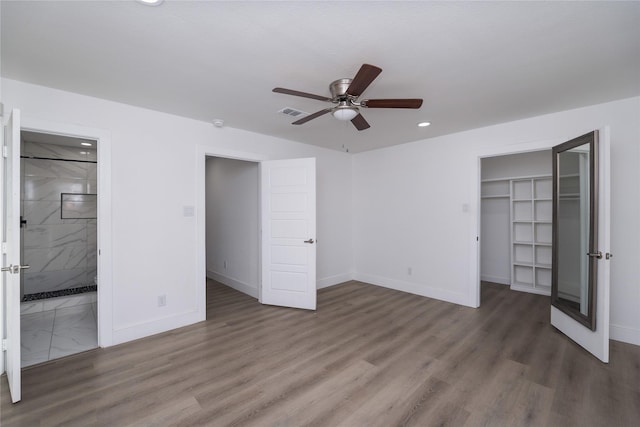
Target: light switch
188, 210
465, 207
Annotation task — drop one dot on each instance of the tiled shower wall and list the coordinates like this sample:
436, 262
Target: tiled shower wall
61, 252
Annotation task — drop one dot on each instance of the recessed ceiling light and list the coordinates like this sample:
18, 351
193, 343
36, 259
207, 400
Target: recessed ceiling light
424, 124
86, 144
150, 2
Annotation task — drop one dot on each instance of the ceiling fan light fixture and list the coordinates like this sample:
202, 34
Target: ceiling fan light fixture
345, 113
150, 2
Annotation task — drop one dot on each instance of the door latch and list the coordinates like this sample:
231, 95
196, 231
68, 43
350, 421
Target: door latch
15, 269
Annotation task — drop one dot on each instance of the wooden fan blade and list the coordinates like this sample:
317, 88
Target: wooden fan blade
312, 116
360, 123
392, 103
302, 94
363, 79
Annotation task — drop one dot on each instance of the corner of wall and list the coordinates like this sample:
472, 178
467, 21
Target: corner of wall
624, 334
234, 284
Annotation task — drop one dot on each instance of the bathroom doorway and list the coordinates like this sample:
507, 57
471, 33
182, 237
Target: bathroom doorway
58, 216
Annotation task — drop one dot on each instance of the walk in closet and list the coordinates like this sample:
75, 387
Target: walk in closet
516, 213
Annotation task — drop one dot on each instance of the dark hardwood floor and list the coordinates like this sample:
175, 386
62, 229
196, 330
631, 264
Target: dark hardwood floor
369, 356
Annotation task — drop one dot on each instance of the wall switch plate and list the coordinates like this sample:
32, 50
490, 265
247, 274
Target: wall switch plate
162, 300
188, 210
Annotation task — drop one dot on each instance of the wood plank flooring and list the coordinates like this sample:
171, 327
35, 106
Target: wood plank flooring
369, 356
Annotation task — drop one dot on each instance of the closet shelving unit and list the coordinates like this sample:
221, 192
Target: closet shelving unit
530, 213
531, 231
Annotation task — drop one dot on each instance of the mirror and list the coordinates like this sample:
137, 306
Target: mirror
574, 252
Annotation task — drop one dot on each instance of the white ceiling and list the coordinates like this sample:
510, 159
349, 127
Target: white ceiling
474, 63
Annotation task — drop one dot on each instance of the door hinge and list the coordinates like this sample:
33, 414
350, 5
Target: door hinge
4, 345
5, 151
4, 247
1, 109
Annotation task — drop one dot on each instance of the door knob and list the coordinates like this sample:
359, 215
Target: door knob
15, 269
309, 241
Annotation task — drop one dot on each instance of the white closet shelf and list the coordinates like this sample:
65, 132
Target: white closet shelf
530, 211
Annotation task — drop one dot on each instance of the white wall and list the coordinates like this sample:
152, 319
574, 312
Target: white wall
517, 165
232, 223
154, 163
409, 201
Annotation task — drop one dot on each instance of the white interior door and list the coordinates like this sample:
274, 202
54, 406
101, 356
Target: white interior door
288, 202
596, 340
11, 251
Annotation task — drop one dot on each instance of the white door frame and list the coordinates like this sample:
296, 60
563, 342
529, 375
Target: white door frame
103, 137
503, 150
203, 152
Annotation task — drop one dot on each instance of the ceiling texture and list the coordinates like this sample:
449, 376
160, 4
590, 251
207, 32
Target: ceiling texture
474, 63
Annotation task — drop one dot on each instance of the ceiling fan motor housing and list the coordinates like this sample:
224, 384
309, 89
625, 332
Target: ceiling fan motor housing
339, 88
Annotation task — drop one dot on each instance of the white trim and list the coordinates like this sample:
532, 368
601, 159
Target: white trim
334, 280
496, 279
415, 288
202, 152
233, 283
2, 299
515, 178
105, 284
154, 326
624, 334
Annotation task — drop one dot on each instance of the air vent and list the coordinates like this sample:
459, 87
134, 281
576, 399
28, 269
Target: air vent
293, 112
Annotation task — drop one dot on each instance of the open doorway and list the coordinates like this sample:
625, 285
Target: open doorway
287, 229
232, 223
58, 220
516, 221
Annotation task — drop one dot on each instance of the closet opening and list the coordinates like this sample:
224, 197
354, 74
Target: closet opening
516, 221
232, 225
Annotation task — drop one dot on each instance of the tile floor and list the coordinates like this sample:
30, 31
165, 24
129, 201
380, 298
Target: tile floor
58, 332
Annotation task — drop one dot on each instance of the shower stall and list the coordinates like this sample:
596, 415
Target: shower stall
58, 219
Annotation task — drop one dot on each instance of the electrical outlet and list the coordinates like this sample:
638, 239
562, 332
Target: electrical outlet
409, 271
162, 300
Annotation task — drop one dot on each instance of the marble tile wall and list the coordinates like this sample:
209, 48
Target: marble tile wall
61, 252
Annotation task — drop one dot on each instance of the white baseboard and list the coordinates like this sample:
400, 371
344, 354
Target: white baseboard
334, 280
417, 289
232, 283
155, 326
495, 279
624, 334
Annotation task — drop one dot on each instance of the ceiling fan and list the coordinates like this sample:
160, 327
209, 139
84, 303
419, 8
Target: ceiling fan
345, 93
